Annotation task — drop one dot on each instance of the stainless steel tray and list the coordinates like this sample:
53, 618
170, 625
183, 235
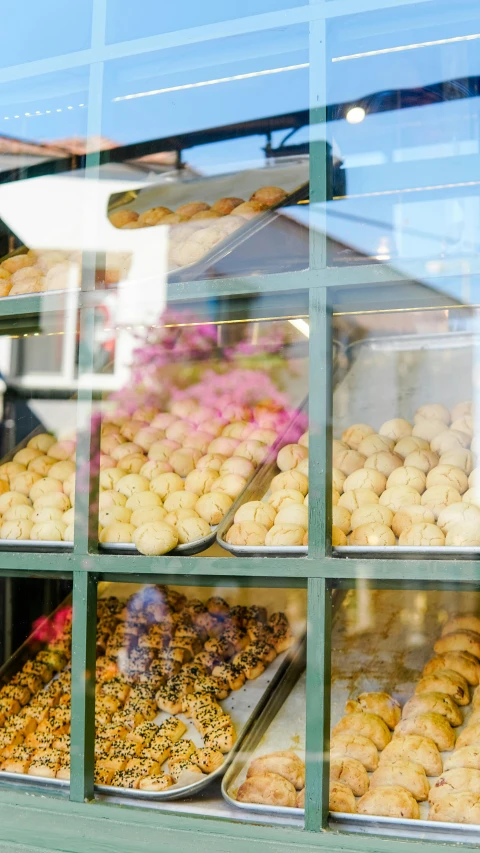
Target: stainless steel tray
257, 489
416, 551
187, 550
284, 712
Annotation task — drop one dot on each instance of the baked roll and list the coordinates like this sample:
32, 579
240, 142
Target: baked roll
462, 662
389, 801
364, 723
351, 773
465, 756
458, 779
421, 750
439, 703
406, 774
172, 728
207, 759
286, 764
430, 725
341, 798
158, 749
459, 641
458, 807
355, 746
381, 704
268, 789
157, 782
445, 681
469, 736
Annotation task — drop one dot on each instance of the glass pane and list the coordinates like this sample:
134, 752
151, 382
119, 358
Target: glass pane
404, 418
404, 716
35, 651
37, 31
205, 424
180, 672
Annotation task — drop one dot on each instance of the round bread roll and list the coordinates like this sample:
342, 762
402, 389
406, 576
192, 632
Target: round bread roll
462, 534
366, 478
338, 537
409, 444
389, 801
400, 496
231, 484
372, 534
213, 426
447, 475
180, 500
45, 486
374, 444
27, 455
200, 482
259, 512
9, 499
428, 429
62, 450
214, 462
21, 483
267, 436
62, 470
303, 466
191, 529
132, 463
463, 459
462, 409
237, 465
191, 208
410, 515
18, 262
143, 515
110, 498
52, 531
355, 746
432, 412
293, 514
408, 476
224, 446
424, 460
366, 724
174, 517
198, 441
105, 516
179, 409
472, 496
117, 532
178, 431
18, 511
19, 528
352, 773
396, 429
161, 451
184, 461
291, 480
142, 500
450, 439
42, 465
347, 460
247, 533
213, 506
155, 538
50, 513
239, 430
341, 518
285, 534
154, 467
283, 497
438, 497
269, 195
54, 499
165, 484
132, 483
11, 469
289, 456
422, 534
384, 462
256, 451
42, 442
370, 514
466, 514
69, 485
338, 445
110, 477
355, 434
464, 424
356, 498
119, 218
338, 479
109, 444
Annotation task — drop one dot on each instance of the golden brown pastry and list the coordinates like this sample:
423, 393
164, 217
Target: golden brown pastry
367, 724
351, 772
469, 737
462, 622
406, 774
461, 662
466, 756
269, 789
365, 478
341, 798
381, 704
421, 534
458, 641
355, 434
389, 801
458, 807
286, 764
421, 750
355, 746
384, 462
445, 681
458, 779
430, 725
439, 703
372, 534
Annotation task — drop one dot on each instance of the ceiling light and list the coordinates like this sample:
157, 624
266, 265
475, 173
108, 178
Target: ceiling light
355, 115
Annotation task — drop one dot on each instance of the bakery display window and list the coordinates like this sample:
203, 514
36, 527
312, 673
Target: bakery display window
204, 436
404, 734
200, 700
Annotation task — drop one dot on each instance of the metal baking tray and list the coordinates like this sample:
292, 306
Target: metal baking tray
415, 551
281, 725
187, 550
258, 489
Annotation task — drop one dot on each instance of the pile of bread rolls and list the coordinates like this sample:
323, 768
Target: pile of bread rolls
167, 477
414, 484
197, 227
38, 271
281, 519
37, 491
401, 764
275, 779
